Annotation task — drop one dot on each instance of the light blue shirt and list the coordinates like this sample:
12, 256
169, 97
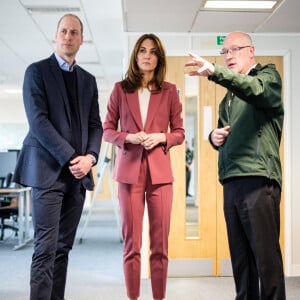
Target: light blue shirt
64, 65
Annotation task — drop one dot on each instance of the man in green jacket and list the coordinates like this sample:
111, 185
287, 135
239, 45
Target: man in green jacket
248, 139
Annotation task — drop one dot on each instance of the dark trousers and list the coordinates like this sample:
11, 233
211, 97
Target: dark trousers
56, 214
252, 213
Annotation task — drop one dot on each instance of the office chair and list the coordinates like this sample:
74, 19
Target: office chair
8, 208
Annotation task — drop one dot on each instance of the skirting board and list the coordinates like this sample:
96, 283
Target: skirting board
188, 267
295, 270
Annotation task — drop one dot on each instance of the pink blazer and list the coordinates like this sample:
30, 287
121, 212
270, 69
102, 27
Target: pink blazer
123, 117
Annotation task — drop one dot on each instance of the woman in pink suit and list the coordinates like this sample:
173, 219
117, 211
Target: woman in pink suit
144, 120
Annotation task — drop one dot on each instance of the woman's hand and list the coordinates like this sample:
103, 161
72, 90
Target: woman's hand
148, 141
153, 139
136, 138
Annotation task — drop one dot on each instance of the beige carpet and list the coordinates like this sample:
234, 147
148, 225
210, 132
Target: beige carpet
95, 269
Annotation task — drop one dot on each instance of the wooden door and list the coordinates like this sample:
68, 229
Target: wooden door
208, 253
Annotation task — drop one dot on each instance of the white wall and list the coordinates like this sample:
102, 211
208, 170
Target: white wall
12, 109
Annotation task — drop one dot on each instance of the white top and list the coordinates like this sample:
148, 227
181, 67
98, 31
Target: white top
144, 98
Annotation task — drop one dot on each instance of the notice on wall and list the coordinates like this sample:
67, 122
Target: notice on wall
207, 121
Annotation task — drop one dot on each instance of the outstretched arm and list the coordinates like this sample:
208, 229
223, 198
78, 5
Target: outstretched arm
205, 68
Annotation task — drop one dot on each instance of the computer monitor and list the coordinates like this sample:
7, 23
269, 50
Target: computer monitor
8, 162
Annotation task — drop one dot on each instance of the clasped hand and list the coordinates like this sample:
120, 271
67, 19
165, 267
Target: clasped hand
205, 67
80, 166
148, 141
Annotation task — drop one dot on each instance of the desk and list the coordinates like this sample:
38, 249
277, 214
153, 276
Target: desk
23, 195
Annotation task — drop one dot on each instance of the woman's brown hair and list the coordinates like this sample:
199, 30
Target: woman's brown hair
133, 77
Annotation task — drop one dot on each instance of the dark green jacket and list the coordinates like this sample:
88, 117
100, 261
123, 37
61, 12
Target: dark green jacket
253, 108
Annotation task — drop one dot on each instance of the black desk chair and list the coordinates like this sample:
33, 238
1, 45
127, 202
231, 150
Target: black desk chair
8, 208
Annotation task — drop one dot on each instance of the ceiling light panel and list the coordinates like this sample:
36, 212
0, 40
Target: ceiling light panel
51, 9
236, 5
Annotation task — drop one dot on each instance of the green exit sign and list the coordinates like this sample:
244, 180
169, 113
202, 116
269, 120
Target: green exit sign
220, 39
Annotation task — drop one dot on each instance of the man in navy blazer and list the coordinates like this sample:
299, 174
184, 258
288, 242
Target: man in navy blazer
62, 145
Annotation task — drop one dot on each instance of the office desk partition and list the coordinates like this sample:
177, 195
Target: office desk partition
23, 196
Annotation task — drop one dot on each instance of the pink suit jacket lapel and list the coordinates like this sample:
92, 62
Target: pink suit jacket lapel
134, 107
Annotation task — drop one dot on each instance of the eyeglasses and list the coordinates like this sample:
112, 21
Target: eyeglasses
233, 51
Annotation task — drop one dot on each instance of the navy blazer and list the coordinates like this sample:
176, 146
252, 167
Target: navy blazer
46, 148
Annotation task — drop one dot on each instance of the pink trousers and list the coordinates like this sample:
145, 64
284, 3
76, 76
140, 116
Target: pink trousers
132, 199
